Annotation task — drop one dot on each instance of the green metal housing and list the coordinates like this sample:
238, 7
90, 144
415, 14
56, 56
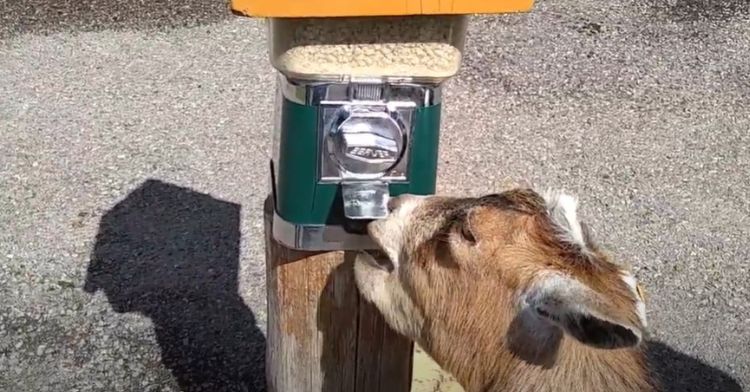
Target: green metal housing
302, 199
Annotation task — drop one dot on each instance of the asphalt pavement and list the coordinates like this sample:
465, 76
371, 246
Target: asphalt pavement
134, 139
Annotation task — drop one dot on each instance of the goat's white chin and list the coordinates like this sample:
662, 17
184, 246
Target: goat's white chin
370, 277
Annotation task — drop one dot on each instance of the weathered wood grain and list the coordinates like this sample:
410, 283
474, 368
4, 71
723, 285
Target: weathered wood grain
321, 335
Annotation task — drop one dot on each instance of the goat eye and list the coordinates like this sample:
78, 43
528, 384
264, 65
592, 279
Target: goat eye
466, 233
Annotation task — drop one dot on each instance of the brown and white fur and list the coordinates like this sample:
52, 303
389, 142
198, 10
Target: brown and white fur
508, 293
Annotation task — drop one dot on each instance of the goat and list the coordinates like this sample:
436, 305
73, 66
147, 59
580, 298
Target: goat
508, 292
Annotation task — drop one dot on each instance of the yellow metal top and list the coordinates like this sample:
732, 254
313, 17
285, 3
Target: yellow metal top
336, 8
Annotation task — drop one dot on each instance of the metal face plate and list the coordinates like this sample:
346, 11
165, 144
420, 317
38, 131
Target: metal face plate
366, 141
377, 152
363, 141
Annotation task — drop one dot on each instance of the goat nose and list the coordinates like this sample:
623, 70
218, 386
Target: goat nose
394, 203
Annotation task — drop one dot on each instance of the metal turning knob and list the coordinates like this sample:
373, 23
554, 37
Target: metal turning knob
366, 141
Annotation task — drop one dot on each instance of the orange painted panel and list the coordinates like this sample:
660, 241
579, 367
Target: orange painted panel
335, 8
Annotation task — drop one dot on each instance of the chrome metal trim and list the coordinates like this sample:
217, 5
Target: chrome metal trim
313, 93
338, 161
318, 237
365, 199
329, 171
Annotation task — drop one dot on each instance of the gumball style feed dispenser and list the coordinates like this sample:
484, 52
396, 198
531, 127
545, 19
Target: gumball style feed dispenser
357, 121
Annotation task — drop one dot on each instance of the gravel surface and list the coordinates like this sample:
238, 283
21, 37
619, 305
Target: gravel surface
134, 140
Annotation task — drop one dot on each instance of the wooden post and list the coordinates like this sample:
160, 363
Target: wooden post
322, 337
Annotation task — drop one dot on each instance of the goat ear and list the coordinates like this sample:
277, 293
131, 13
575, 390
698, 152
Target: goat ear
581, 313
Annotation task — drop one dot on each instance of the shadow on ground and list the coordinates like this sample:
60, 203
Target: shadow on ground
679, 372
172, 254
51, 16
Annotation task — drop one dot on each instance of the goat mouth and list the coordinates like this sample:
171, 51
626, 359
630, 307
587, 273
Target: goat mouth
380, 260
